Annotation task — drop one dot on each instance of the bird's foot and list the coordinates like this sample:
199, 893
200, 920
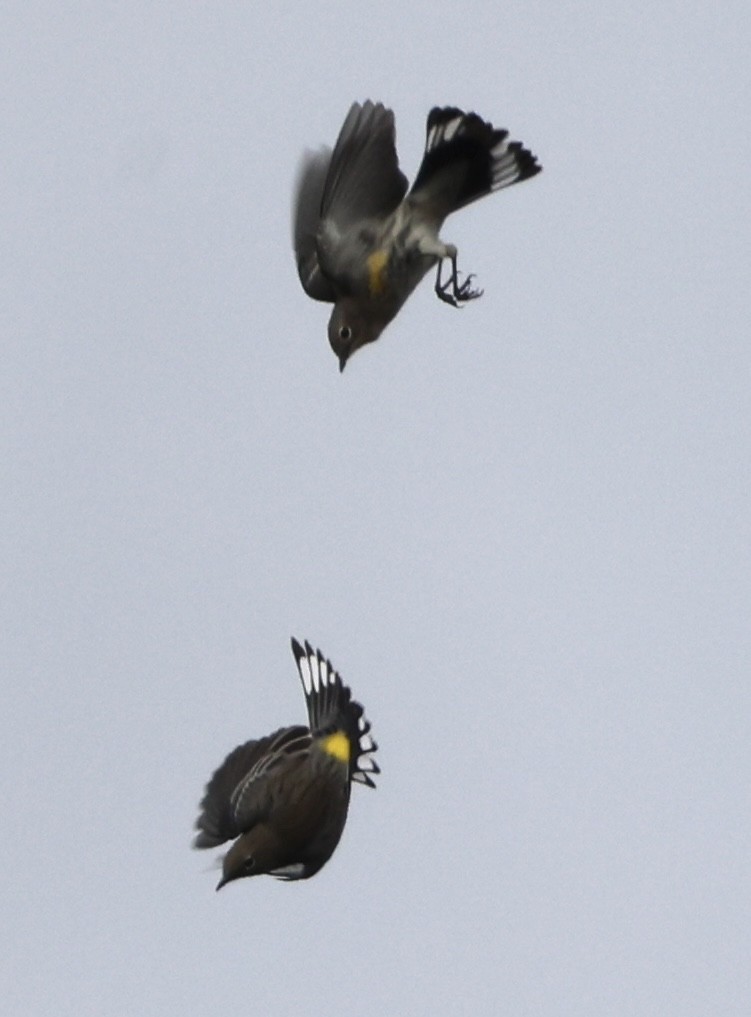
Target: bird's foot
452, 291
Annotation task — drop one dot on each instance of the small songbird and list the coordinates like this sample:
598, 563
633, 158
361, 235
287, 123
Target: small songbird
283, 799
362, 243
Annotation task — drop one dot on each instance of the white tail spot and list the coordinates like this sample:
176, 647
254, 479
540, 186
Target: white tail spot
452, 128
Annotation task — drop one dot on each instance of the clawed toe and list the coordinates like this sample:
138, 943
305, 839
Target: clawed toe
452, 291
465, 291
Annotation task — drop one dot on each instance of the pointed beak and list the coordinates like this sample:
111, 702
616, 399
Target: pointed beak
342, 363
222, 882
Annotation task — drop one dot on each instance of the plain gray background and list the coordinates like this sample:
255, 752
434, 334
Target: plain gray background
520, 530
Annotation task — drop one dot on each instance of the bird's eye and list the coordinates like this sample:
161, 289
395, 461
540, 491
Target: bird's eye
249, 864
345, 332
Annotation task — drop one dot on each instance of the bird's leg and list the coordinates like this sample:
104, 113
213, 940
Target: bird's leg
451, 291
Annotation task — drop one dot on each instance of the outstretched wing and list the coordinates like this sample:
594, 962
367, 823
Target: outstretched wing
306, 220
363, 180
237, 796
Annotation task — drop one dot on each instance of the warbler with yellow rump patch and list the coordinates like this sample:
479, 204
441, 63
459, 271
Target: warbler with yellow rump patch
285, 797
362, 243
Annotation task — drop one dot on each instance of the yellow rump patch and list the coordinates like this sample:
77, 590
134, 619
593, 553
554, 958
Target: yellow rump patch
337, 745
376, 263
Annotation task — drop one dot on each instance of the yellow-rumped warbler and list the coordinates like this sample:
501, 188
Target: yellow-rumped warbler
362, 243
285, 797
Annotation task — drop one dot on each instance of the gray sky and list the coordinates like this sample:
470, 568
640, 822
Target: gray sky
521, 531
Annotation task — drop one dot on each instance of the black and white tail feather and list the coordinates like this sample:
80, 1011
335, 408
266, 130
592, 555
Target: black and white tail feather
331, 708
490, 161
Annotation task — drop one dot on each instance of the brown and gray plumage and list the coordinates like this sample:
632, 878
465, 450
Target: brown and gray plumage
283, 799
362, 243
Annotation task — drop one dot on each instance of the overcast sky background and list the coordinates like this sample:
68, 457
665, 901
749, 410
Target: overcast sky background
521, 530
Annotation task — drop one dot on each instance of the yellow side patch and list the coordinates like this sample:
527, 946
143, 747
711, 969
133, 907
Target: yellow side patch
337, 745
376, 263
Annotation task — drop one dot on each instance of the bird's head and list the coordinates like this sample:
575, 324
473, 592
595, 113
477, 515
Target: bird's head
349, 330
239, 861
